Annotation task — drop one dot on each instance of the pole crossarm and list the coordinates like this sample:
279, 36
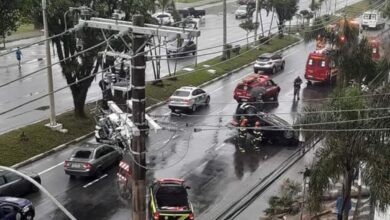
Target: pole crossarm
133, 128
148, 29
152, 124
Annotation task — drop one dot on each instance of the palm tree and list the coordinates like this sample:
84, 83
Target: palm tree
343, 151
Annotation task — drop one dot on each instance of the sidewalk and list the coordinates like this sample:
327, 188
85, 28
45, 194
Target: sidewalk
21, 39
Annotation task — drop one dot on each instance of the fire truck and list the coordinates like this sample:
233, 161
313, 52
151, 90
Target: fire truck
375, 44
320, 67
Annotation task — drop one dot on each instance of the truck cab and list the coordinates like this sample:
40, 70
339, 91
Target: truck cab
319, 67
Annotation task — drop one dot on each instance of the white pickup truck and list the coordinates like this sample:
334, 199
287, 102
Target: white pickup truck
373, 19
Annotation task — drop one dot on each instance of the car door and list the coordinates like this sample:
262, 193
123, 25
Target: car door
17, 185
276, 59
195, 97
111, 155
269, 89
99, 160
5, 189
202, 96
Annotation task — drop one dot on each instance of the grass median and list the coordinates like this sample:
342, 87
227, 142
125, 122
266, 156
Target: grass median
39, 138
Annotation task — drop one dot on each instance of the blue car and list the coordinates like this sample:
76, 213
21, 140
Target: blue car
12, 208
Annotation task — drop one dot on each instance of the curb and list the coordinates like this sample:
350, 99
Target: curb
49, 152
64, 146
223, 76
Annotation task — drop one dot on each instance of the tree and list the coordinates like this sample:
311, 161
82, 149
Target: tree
285, 9
79, 72
9, 16
248, 26
306, 15
343, 151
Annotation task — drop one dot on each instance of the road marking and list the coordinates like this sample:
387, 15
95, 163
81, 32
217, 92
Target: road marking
51, 168
220, 146
95, 181
166, 141
175, 136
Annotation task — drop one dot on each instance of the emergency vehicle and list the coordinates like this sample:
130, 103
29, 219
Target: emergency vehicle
256, 87
320, 67
375, 44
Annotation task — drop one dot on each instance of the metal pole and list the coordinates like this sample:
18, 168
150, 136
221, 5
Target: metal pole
138, 142
49, 70
256, 20
196, 54
31, 180
224, 31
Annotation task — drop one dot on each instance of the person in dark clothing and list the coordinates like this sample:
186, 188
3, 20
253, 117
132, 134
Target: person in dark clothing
106, 91
297, 87
18, 55
258, 136
242, 134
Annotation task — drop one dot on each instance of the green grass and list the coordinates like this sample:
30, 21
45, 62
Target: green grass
192, 1
40, 138
355, 9
23, 28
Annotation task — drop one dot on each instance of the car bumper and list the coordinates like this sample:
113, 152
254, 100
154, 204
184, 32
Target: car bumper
315, 78
79, 172
241, 15
262, 67
177, 106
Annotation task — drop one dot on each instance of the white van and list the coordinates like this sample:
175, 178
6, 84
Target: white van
373, 19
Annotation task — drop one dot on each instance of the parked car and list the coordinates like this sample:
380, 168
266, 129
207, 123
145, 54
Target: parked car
163, 18
16, 208
269, 62
92, 159
188, 47
14, 185
374, 19
187, 12
244, 11
245, 2
188, 98
255, 88
169, 200
276, 130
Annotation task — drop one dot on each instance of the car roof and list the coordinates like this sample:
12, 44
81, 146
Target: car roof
187, 88
89, 146
253, 78
14, 200
267, 55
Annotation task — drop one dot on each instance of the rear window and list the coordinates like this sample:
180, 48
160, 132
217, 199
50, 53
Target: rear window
263, 59
181, 93
82, 154
244, 87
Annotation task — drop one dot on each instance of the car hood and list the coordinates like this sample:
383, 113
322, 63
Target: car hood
240, 11
19, 201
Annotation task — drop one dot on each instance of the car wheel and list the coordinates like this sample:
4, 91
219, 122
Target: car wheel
255, 70
29, 215
207, 100
273, 70
193, 108
172, 109
282, 66
194, 53
309, 83
275, 98
97, 139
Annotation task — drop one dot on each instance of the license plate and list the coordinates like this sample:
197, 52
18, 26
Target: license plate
76, 165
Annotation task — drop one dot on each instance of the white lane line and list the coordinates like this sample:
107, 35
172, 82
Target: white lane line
95, 181
220, 146
166, 141
175, 136
51, 168
32, 61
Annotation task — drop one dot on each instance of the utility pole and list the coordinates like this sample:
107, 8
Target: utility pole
138, 142
256, 20
224, 56
53, 124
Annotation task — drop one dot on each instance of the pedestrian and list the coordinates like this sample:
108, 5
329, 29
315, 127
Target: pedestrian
258, 136
106, 91
297, 87
18, 55
242, 134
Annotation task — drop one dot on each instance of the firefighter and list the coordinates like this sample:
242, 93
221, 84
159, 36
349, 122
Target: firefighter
258, 136
297, 87
242, 134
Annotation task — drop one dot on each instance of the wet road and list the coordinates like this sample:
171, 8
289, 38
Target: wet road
207, 160
36, 85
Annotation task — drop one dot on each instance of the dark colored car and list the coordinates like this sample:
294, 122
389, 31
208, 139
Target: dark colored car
188, 47
92, 159
169, 200
255, 88
15, 185
12, 208
196, 13
276, 130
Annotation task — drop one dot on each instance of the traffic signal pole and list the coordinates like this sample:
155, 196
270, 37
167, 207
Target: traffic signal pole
138, 142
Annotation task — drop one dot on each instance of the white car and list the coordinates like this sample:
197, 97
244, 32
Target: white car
269, 62
241, 12
373, 19
188, 98
163, 18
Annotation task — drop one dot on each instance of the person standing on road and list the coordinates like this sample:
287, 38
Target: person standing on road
104, 85
297, 87
258, 136
242, 134
18, 55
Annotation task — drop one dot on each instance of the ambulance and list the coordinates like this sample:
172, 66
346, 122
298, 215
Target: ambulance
320, 67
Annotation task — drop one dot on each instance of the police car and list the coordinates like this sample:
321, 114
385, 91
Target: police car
188, 98
169, 200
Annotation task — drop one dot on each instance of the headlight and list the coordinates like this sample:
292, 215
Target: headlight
26, 209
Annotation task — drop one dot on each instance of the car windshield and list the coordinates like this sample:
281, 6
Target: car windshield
82, 154
172, 196
242, 8
244, 87
263, 59
181, 93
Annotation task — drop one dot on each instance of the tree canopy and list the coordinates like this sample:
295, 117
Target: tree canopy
9, 16
285, 10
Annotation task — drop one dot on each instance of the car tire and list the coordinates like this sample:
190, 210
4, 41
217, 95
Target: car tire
282, 66
309, 83
255, 70
207, 100
172, 109
275, 98
193, 108
29, 215
273, 70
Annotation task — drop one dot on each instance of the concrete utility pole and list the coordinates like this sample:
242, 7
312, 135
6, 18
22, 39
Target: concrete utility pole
138, 142
256, 20
224, 56
53, 124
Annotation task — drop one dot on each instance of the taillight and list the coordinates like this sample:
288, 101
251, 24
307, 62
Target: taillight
66, 163
156, 216
191, 216
87, 166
